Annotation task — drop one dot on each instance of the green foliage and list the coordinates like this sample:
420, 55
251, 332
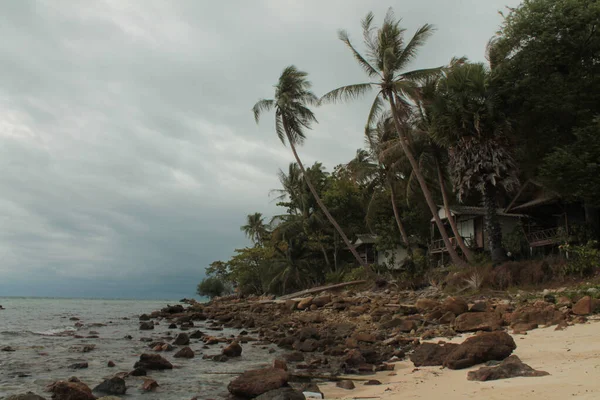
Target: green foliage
583, 259
515, 242
211, 287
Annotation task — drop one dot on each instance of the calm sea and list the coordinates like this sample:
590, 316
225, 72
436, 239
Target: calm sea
41, 331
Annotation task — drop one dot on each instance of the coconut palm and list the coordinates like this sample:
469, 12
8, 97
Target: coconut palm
255, 228
467, 120
293, 96
386, 58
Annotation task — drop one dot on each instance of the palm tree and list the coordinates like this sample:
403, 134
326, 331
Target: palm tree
386, 58
293, 95
255, 228
467, 120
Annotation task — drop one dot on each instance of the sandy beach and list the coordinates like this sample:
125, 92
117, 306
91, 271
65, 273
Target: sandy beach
572, 357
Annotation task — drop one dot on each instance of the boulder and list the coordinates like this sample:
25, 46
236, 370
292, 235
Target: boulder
321, 301
233, 350
583, 306
153, 362
365, 337
114, 385
253, 383
426, 305
431, 354
295, 356
478, 306
284, 393
182, 339
509, 368
144, 317
345, 384
149, 385
146, 326
307, 346
402, 324
110, 364
455, 305
280, 364
477, 321
542, 314
176, 309
478, 349
138, 372
71, 390
25, 396
353, 358
186, 352
79, 365
196, 335
305, 303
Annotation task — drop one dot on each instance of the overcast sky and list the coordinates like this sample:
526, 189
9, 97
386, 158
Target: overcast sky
129, 156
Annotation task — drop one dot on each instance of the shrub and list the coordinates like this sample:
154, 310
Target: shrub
211, 287
583, 260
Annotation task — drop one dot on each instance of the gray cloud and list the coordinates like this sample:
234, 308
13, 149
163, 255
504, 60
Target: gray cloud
128, 153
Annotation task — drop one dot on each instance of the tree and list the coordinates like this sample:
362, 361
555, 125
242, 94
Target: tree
293, 95
466, 119
211, 287
255, 228
386, 58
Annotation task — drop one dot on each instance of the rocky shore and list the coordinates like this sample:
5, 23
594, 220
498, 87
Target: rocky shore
345, 337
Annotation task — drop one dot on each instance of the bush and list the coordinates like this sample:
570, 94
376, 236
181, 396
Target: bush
211, 287
583, 260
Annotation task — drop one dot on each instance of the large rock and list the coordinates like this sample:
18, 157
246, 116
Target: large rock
477, 321
25, 396
455, 305
586, 305
426, 305
233, 350
479, 349
182, 339
146, 326
321, 301
431, 354
512, 367
71, 390
186, 352
544, 314
114, 385
402, 324
153, 361
305, 303
258, 381
284, 393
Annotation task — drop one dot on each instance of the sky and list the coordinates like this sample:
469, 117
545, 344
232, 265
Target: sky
129, 156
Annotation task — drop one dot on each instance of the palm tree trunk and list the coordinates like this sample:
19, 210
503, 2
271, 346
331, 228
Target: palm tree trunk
461, 243
324, 209
424, 188
399, 221
492, 224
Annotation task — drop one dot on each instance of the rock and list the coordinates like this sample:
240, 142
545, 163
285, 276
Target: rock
233, 350
479, 349
196, 335
25, 396
182, 339
308, 333
153, 362
280, 364
253, 383
403, 325
144, 317
149, 385
146, 326
353, 358
348, 385
295, 356
550, 298
523, 327
110, 364
509, 368
564, 301
447, 318
372, 382
583, 306
455, 305
478, 306
304, 303
176, 309
543, 314
79, 365
365, 337
114, 385
138, 372
425, 305
71, 390
186, 352
8, 349
173, 326
321, 301
307, 346
284, 393
431, 354
477, 321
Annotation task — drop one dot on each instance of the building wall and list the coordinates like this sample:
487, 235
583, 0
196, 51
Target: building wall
392, 258
466, 228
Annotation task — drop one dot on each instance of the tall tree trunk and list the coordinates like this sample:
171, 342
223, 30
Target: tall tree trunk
324, 209
424, 188
461, 243
492, 224
398, 220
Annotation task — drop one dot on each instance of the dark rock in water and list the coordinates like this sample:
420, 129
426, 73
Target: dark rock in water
146, 326
25, 396
7, 348
182, 339
510, 368
284, 393
256, 382
176, 309
149, 385
79, 365
138, 372
233, 350
153, 362
186, 352
128, 337
71, 390
144, 317
479, 349
173, 326
110, 364
348, 385
215, 357
114, 385
431, 354
196, 335
73, 319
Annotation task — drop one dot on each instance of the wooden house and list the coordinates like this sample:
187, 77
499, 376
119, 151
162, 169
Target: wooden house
365, 245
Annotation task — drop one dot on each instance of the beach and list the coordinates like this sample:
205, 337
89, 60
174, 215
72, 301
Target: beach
571, 356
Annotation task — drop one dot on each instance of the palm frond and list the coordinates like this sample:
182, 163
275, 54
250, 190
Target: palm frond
417, 41
261, 106
344, 93
368, 68
377, 108
419, 75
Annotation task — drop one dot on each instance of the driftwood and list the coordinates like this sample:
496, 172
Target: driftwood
320, 289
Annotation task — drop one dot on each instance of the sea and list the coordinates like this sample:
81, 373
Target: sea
42, 333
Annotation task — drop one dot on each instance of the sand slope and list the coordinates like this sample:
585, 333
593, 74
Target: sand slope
572, 357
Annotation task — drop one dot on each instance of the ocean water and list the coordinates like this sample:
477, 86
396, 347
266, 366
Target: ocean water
42, 333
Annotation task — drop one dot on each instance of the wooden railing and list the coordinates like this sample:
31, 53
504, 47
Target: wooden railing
437, 246
544, 237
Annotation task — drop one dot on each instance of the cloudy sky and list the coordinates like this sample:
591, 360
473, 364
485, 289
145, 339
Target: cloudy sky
129, 156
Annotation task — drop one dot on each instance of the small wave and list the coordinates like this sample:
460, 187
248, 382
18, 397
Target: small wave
66, 331
14, 333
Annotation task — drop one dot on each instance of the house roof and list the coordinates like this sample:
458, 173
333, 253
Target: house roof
367, 238
471, 210
532, 194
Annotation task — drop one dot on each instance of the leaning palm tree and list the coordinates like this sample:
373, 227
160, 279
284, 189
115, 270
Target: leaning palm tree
293, 95
466, 119
255, 228
386, 58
